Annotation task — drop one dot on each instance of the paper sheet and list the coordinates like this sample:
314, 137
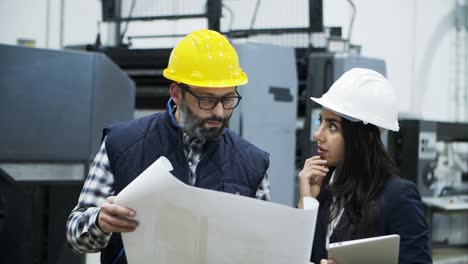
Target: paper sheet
183, 224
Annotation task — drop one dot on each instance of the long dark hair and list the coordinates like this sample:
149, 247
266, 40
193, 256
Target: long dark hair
356, 185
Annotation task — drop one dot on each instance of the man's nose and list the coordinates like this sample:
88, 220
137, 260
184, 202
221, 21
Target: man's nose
218, 110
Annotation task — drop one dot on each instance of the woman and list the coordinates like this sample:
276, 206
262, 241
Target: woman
352, 175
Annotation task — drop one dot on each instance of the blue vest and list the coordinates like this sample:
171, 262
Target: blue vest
230, 164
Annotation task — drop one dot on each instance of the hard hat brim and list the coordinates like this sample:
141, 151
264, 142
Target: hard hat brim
242, 79
337, 109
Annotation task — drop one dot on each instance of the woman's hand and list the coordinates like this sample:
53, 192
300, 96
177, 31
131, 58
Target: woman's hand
311, 178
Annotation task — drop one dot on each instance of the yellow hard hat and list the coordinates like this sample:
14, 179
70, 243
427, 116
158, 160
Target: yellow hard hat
205, 58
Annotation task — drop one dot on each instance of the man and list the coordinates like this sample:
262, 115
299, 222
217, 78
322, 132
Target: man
191, 133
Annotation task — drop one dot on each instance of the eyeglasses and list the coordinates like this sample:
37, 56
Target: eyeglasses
228, 102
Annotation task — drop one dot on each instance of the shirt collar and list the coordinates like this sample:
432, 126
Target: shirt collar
170, 109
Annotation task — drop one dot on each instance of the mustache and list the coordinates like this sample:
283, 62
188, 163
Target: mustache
214, 118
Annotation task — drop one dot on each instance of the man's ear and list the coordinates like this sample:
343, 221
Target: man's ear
175, 93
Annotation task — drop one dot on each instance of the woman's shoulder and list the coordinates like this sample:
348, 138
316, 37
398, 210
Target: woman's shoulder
398, 192
398, 184
403, 213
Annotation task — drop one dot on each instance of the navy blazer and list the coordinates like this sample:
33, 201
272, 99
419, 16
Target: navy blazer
401, 212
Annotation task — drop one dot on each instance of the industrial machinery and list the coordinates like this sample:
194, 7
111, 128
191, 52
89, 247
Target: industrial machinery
53, 106
434, 155
145, 65
266, 115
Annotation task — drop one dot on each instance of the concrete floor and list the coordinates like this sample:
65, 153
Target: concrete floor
450, 255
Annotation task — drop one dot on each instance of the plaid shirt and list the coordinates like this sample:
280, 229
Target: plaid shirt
83, 234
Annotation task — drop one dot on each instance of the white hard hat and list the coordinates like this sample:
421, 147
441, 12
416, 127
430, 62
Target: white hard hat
363, 95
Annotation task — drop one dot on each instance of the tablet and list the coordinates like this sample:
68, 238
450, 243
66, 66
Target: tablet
382, 249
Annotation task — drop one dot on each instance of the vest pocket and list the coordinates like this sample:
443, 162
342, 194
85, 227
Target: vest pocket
234, 187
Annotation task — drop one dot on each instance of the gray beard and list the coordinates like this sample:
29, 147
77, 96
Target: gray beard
194, 126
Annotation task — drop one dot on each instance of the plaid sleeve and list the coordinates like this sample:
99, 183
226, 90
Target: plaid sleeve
83, 234
263, 191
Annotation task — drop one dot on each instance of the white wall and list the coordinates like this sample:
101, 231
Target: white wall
23, 19
80, 22
42, 21
416, 40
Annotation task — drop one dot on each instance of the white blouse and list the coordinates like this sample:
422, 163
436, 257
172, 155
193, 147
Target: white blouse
335, 221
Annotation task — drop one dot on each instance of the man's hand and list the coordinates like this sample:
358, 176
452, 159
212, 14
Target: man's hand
114, 218
311, 178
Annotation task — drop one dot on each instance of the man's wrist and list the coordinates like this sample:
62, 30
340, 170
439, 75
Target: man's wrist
95, 222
